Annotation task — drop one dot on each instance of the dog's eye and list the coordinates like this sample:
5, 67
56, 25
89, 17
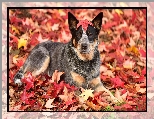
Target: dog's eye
79, 34
89, 34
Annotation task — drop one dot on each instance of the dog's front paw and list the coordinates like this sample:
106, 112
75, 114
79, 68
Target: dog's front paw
116, 100
18, 81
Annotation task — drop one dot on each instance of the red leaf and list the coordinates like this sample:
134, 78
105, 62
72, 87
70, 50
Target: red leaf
14, 39
117, 82
29, 81
20, 63
116, 17
84, 24
33, 40
127, 106
143, 53
24, 96
144, 71
140, 79
134, 16
109, 25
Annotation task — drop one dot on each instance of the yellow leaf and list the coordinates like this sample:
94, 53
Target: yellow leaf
118, 11
87, 93
122, 4
133, 49
109, 31
61, 12
15, 29
15, 59
22, 42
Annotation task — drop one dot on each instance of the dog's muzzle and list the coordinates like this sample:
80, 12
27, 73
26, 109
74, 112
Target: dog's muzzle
84, 48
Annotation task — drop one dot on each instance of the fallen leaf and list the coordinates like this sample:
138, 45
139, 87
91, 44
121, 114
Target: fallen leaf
55, 27
128, 64
22, 42
56, 76
49, 103
142, 90
118, 96
117, 82
119, 11
87, 93
93, 106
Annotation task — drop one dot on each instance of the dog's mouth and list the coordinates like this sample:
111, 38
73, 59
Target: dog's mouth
84, 51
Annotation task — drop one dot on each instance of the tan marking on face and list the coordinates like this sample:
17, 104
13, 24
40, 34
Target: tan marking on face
87, 56
74, 43
43, 68
77, 78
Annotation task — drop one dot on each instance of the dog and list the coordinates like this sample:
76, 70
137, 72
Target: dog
79, 59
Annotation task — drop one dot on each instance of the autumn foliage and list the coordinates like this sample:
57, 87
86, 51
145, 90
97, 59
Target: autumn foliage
123, 55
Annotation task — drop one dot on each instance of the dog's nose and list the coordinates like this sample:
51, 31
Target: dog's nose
84, 46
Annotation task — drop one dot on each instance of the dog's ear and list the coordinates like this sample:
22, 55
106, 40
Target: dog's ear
97, 21
72, 21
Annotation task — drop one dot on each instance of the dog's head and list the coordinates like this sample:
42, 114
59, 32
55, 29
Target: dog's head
85, 35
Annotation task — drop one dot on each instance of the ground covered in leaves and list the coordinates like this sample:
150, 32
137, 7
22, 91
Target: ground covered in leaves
123, 55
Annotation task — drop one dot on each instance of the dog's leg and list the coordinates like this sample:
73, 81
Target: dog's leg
36, 63
97, 85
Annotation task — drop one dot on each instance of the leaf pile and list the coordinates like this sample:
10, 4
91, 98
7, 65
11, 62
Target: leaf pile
123, 55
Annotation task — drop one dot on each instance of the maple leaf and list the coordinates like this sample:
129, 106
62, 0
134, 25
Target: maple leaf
109, 73
109, 25
62, 13
15, 59
128, 64
86, 94
49, 103
22, 42
29, 81
55, 27
40, 38
118, 11
121, 98
117, 82
127, 106
56, 76
139, 89
67, 97
142, 53
25, 96
133, 49
144, 71
93, 106
140, 79
15, 29
18, 61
